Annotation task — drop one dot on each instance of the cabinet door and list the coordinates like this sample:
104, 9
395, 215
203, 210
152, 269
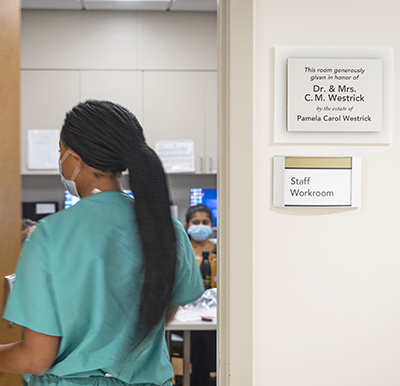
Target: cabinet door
178, 40
174, 108
45, 98
211, 141
79, 40
122, 87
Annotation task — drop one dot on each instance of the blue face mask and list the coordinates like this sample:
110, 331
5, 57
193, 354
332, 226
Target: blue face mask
70, 185
200, 232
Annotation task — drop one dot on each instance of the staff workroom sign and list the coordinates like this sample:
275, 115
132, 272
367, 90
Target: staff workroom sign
327, 95
317, 181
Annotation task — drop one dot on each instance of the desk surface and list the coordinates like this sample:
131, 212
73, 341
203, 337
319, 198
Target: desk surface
193, 325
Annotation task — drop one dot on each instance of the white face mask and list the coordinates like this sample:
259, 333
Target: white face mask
70, 185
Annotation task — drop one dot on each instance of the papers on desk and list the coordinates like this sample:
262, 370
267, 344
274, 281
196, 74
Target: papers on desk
205, 306
192, 315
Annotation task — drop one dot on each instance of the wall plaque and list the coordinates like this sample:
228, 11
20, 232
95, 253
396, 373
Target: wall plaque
340, 126
334, 95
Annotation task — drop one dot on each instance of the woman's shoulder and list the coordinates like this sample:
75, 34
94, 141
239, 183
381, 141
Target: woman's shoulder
55, 217
179, 229
85, 207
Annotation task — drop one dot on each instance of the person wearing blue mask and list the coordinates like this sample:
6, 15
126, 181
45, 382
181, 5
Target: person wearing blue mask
96, 283
199, 228
203, 347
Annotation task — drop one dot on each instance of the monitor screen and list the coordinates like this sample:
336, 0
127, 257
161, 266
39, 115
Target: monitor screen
206, 197
70, 200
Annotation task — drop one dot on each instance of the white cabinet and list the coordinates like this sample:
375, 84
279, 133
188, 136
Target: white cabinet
177, 41
183, 105
170, 105
118, 40
79, 40
45, 98
160, 65
211, 116
122, 87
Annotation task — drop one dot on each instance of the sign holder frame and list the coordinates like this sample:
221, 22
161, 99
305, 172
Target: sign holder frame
279, 182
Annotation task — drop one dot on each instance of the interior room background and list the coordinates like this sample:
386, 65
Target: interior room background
160, 65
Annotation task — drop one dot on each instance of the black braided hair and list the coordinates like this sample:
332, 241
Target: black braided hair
108, 137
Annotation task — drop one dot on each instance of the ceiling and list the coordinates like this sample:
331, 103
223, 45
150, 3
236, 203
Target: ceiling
118, 5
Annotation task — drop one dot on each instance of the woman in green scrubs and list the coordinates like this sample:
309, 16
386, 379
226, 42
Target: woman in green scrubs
96, 282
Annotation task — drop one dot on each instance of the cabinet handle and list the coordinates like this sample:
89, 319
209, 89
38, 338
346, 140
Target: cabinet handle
201, 164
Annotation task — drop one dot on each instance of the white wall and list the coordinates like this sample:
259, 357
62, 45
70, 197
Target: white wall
327, 281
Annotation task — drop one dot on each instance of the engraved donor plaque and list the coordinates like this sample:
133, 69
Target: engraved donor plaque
328, 95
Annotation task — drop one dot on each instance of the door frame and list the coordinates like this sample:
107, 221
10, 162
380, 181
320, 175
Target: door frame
236, 192
10, 186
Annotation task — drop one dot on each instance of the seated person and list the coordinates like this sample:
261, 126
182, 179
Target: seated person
203, 343
28, 227
198, 226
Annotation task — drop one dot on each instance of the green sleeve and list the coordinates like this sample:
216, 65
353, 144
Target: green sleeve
188, 281
32, 300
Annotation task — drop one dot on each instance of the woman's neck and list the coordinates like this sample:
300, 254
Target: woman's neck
104, 183
199, 246
108, 184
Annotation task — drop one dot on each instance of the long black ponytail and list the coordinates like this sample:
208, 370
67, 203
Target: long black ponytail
108, 137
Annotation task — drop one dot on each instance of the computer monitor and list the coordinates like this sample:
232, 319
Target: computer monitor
70, 200
206, 197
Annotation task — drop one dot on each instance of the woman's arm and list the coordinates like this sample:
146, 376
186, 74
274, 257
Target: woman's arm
33, 355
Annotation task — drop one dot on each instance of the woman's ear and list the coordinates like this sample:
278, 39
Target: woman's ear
75, 155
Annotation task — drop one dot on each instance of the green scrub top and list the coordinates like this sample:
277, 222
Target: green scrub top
80, 276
